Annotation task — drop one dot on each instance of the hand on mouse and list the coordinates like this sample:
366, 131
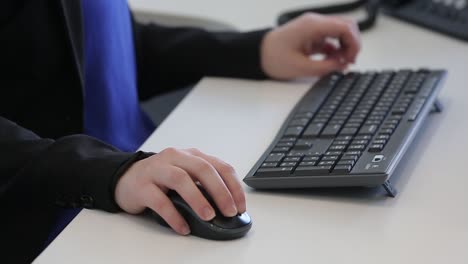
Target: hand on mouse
286, 51
147, 181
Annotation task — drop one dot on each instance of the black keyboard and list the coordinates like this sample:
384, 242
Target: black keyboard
447, 17
348, 130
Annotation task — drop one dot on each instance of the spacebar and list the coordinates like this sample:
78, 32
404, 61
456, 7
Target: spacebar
312, 171
274, 172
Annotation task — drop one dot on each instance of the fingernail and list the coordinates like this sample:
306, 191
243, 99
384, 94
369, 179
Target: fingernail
184, 229
208, 213
243, 206
232, 211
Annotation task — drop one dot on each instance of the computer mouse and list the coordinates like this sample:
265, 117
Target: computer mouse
219, 228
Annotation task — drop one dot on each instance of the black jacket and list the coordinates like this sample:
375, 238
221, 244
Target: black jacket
41, 80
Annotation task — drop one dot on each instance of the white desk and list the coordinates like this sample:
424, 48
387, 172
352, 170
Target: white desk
236, 120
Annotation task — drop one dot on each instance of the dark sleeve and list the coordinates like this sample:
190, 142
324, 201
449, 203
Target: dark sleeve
74, 171
173, 57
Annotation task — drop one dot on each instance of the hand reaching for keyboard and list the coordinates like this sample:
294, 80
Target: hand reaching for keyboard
286, 51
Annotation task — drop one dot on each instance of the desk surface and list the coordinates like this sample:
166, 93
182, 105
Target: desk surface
426, 223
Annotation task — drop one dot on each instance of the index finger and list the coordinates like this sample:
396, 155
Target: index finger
229, 176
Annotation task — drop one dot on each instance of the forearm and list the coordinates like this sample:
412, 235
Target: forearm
71, 171
171, 58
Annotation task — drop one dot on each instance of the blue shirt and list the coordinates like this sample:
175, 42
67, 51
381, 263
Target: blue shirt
111, 108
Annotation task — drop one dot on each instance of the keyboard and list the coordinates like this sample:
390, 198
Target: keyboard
447, 17
349, 130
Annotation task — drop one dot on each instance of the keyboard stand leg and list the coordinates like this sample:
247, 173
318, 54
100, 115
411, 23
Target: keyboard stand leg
392, 192
437, 107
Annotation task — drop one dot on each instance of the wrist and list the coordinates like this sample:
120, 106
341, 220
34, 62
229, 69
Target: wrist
140, 155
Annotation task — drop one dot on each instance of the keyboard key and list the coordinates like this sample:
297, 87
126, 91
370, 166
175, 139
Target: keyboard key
389, 126
313, 130
378, 118
356, 120
395, 117
380, 141
429, 85
285, 144
293, 131
295, 154
360, 142
350, 157
392, 122
341, 142
274, 172
269, 164
363, 137
399, 111
372, 122
345, 162
349, 131
386, 131
418, 106
288, 164
312, 171
275, 157
350, 153
288, 139
311, 158
303, 144
333, 153
352, 125
307, 163
327, 163
292, 159
368, 130
300, 153
342, 169
320, 120
337, 147
376, 147
357, 147
299, 122
281, 149
329, 158
344, 138
304, 115
384, 137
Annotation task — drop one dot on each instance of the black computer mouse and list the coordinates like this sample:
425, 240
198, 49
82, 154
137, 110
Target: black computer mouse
219, 228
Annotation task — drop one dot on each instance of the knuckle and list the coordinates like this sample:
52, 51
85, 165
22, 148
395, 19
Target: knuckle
350, 27
194, 150
170, 151
345, 27
309, 17
178, 177
204, 166
227, 169
348, 21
